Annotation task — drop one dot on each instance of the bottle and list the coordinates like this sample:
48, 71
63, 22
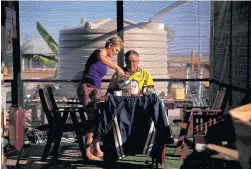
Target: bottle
134, 88
144, 88
150, 90
16, 126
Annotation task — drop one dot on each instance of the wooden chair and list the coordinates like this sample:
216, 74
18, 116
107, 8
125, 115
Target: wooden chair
57, 124
196, 123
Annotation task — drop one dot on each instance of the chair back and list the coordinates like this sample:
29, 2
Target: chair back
55, 107
202, 122
57, 115
47, 106
52, 99
218, 100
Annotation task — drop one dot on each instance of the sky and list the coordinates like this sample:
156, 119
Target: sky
54, 15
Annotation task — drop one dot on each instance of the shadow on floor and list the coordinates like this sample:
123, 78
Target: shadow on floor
70, 158
198, 160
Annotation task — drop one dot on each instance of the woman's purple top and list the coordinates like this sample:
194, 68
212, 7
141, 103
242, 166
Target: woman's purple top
95, 70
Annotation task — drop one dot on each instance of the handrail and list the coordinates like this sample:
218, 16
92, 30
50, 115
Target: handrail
104, 80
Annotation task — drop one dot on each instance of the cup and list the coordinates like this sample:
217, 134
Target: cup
118, 93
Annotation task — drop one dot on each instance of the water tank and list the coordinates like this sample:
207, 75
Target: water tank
76, 43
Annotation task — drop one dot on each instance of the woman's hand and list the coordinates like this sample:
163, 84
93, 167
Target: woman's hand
120, 71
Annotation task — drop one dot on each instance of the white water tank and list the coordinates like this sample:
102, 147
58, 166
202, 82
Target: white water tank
76, 43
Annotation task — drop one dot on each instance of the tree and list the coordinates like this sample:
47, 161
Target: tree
48, 60
83, 20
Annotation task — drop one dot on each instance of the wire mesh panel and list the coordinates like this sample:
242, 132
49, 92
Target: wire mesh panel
240, 44
172, 39
231, 48
162, 32
221, 46
75, 29
41, 137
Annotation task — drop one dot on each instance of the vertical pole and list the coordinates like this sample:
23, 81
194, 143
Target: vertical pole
187, 78
17, 85
230, 55
120, 29
200, 85
199, 30
211, 55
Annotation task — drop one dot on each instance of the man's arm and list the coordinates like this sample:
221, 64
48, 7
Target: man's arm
149, 80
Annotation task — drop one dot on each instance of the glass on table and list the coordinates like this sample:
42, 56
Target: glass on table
148, 89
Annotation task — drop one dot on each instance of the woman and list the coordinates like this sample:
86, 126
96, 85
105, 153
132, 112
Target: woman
88, 89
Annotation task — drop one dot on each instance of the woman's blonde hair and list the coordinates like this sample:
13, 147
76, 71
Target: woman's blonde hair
114, 41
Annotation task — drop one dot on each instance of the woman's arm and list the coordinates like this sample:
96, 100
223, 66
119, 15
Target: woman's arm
107, 61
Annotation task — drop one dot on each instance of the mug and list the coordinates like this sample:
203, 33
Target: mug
118, 93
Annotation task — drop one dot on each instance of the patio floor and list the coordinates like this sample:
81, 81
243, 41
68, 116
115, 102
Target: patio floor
71, 159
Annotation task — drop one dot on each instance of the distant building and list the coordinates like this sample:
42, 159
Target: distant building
32, 47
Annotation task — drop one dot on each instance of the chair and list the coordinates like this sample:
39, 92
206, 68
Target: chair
196, 123
57, 124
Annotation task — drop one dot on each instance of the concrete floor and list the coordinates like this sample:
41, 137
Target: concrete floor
70, 158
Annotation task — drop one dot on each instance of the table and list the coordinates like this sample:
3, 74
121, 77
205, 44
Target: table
34, 106
133, 125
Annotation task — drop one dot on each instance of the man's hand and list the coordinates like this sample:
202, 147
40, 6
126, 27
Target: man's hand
120, 71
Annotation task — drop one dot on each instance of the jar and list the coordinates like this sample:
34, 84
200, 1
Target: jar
134, 88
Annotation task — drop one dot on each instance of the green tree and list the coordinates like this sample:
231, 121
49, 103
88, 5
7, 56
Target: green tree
52, 44
83, 20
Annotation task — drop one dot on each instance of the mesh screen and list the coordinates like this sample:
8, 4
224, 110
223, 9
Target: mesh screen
56, 17
221, 44
238, 98
240, 47
186, 29
170, 46
239, 44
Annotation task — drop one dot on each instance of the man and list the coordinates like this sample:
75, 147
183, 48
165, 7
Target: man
132, 70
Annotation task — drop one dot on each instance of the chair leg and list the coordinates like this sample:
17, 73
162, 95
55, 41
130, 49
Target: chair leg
57, 141
184, 151
59, 135
188, 134
152, 166
156, 164
163, 156
47, 146
180, 142
78, 134
184, 133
